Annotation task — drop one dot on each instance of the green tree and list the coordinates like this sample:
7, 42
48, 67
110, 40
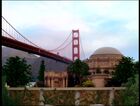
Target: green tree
6, 100
124, 70
136, 67
130, 96
17, 72
41, 71
79, 70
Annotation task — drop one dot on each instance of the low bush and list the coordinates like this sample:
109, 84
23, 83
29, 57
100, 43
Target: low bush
6, 99
88, 83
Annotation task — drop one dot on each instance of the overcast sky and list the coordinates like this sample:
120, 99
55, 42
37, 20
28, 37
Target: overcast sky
101, 24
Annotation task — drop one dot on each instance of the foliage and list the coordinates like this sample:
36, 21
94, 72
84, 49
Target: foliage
112, 82
6, 99
40, 84
136, 67
130, 97
48, 100
17, 71
41, 71
88, 83
71, 82
123, 71
79, 67
98, 97
59, 98
79, 70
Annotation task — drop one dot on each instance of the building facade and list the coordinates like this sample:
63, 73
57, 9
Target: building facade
56, 79
102, 64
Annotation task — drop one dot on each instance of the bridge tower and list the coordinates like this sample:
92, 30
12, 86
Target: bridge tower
75, 45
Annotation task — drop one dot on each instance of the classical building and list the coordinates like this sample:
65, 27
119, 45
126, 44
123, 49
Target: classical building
102, 64
56, 79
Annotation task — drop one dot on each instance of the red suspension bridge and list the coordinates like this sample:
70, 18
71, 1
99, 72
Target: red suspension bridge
70, 48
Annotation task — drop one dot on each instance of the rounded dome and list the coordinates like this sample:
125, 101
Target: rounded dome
107, 50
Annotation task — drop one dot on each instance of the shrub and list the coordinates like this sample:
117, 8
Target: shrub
6, 99
17, 71
88, 83
131, 94
130, 97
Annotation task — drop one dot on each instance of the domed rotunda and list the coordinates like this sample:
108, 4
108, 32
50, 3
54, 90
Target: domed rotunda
102, 63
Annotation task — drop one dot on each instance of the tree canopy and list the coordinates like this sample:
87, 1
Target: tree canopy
6, 99
78, 69
17, 71
130, 96
41, 71
124, 70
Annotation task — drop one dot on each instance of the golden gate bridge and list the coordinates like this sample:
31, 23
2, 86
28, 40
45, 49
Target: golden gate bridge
12, 38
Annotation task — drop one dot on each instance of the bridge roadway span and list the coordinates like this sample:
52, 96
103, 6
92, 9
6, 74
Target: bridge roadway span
31, 49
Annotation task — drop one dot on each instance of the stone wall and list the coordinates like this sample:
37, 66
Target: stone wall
66, 96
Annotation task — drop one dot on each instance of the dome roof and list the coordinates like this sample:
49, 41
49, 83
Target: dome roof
107, 50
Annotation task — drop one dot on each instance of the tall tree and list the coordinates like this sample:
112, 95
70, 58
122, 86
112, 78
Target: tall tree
124, 70
17, 71
79, 70
41, 71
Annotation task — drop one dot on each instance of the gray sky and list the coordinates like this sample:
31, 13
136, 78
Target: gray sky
101, 23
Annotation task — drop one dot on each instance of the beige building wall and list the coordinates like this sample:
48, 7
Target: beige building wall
56, 79
106, 60
99, 80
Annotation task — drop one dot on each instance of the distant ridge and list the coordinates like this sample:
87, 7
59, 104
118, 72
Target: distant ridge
33, 60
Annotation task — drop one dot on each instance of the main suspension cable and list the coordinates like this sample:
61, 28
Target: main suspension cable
20, 33
58, 48
65, 46
82, 48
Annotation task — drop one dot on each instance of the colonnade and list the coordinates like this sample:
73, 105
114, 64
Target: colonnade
62, 81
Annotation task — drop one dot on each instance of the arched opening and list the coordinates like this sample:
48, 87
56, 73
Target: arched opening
106, 71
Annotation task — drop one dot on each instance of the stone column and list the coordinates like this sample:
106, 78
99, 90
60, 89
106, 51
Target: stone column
111, 96
63, 82
66, 82
52, 82
77, 98
41, 98
47, 82
102, 71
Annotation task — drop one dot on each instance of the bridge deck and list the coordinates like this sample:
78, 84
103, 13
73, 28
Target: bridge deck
31, 49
